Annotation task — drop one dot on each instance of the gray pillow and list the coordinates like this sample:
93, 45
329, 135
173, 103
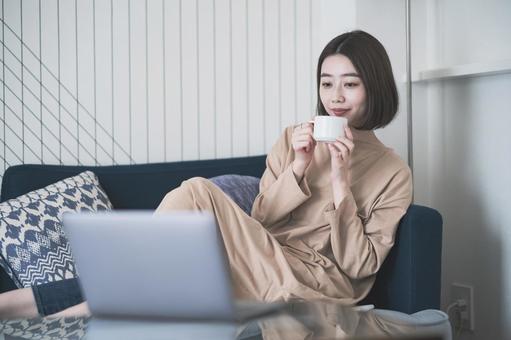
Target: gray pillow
242, 189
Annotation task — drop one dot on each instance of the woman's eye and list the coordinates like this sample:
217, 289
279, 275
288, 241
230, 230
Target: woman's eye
326, 85
350, 85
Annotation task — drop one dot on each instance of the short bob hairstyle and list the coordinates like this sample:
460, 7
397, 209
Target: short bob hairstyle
371, 61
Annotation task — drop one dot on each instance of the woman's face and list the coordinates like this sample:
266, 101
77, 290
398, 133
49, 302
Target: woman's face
341, 89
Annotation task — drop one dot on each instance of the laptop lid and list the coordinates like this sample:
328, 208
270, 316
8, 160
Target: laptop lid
137, 264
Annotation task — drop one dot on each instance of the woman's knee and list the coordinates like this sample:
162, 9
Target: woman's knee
198, 181
184, 196
186, 186
197, 184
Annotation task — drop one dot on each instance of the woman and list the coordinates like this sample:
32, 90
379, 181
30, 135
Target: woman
327, 213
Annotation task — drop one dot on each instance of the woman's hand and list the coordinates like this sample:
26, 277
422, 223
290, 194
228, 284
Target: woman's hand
303, 145
340, 155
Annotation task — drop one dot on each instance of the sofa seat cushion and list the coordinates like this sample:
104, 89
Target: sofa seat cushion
241, 189
33, 247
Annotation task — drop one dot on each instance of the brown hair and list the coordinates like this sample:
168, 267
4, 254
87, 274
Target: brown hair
371, 61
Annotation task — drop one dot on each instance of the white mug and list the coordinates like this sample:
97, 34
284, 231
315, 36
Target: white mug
329, 128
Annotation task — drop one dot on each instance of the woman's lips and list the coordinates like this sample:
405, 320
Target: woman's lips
339, 112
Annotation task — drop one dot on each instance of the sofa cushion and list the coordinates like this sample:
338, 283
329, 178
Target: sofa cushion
33, 247
242, 189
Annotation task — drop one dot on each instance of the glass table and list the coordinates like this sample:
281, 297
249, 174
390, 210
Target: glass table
298, 320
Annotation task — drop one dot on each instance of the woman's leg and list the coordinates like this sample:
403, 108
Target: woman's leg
258, 266
42, 300
81, 309
18, 303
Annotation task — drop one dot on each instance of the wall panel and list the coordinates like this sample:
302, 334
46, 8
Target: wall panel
138, 98
271, 73
190, 86
255, 58
239, 77
135, 81
155, 81
287, 56
223, 78
206, 79
121, 81
173, 81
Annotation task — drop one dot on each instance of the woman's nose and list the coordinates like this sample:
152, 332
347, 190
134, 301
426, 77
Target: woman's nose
337, 96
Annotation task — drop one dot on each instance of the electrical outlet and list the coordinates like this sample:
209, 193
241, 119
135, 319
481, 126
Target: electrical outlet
466, 293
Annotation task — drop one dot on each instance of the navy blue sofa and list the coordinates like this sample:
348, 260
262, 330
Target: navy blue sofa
408, 281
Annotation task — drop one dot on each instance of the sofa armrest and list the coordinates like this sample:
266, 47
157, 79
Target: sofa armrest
409, 280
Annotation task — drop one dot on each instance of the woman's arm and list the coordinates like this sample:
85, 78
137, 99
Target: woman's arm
280, 189
21, 304
340, 159
360, 247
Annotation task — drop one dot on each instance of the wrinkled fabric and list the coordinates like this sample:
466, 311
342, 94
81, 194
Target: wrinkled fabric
296, 244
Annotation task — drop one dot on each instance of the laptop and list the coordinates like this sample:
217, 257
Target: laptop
135, 264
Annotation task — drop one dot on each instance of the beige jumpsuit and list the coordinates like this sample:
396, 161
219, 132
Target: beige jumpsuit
296, 244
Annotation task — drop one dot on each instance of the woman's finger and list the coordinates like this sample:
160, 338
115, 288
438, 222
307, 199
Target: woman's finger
349, 144
340, 150
332, 149
305, 125
303, 145
344, 151
307, 129
305, 138
298, 133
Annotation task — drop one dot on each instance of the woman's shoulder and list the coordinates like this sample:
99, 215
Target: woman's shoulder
388, 162
391, 172
393, 169
396, 162
368, 143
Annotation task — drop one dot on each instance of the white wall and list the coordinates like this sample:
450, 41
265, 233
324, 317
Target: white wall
467, 148
461, 141
153, 80
389, 30
472, 191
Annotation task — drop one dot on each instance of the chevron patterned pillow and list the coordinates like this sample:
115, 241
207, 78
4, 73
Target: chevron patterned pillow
33, 247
